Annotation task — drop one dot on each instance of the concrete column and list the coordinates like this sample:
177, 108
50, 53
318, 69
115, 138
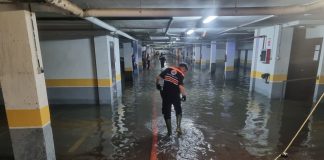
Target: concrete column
255, 59
205, 54
23, 85
139, 56
128, 52
118, 69
135, 52
230, 59
104, 64
213, 56
278, 40
197, 52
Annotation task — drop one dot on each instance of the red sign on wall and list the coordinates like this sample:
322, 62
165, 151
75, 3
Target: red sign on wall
269, 42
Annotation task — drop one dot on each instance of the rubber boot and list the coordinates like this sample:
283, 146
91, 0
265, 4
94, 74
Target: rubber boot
179, 124
168, 125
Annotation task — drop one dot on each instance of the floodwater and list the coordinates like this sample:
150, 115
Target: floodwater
221, 121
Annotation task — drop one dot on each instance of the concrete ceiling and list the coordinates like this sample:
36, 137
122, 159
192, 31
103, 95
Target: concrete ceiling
176, 26
184, 3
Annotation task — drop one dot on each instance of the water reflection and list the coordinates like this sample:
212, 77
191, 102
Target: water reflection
191, 145
122, 139
255, 131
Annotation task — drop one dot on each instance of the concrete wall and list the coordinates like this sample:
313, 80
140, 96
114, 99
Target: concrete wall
220, 55
69, 71
242, 47
163, 51
197, 53
205, 54
121, 51
74, 70
249, 58
279, 40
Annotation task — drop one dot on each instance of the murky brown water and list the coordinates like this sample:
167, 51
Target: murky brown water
221, 120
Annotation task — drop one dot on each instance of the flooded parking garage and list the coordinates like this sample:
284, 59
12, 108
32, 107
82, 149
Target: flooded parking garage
78, 79
221, 120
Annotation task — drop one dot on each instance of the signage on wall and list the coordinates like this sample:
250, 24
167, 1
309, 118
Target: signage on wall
317, 52
269, 43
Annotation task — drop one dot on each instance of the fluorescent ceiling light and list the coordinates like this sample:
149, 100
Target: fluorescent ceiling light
159, 38
160, 42
209, 19
190, 31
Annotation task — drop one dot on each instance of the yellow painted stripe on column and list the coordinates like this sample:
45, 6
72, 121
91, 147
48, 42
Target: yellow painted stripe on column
28, 117
320, 80
129, 69
204, 61
229, 68
105, 82
118, 77
78, 82
273, 78
256, 74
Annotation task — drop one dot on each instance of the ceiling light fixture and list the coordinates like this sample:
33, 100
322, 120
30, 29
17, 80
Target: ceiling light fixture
209, 19
190, 31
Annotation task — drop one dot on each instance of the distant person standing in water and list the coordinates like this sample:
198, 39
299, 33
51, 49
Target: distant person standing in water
148, 60
144, 59
162, 60
134, 62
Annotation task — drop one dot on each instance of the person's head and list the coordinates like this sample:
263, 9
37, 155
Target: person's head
183, 67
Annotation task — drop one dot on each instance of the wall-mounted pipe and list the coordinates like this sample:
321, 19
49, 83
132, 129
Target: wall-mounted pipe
171, 12
74, 9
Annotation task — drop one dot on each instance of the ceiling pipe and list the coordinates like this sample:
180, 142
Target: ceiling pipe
67, 5
168, 27
243, 25
104, 25
171, 12
74, 9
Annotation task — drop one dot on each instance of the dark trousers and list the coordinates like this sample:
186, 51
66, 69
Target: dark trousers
144, 64
167, 102
162, 64
148, 64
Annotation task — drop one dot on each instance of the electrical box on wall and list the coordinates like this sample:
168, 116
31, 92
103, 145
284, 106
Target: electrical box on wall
265, 56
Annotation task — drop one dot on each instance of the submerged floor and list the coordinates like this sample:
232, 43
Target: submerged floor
221, 120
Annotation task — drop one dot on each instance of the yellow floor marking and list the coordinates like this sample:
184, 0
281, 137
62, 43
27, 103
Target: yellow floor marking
78, 143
